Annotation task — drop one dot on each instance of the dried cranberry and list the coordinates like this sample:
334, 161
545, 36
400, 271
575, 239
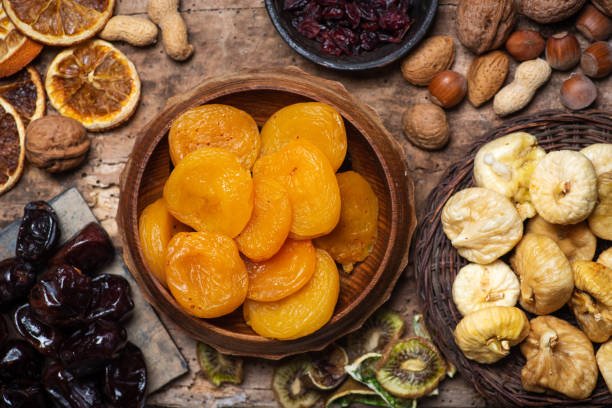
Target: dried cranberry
344, 39
368, 13
330, 2
369, 40
309, 28
294, 4
352, 14
333, 13
392, 20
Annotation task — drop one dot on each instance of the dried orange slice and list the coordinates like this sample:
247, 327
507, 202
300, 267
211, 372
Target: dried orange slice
26, 93
12, 146
95, 84
16, 50
59, 22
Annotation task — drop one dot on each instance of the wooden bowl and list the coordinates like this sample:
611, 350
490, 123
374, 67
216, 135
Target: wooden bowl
371, 151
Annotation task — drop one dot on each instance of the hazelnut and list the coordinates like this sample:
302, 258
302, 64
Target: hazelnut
578, 92
596, 60
425, 125
448, 88
56, 143
562, 51
525, 45
593, 24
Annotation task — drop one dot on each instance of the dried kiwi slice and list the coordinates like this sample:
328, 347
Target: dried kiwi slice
421, 330
218, 368
289, 385
326, 370
412, 368
353, 392
384, 327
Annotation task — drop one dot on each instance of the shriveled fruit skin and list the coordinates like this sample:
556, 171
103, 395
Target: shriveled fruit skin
313, 189
576, 241
302, 313
155, 228
284, 274
600, 220
215, 125
205, 273
209, 190
353, 238
270, 222
315, 122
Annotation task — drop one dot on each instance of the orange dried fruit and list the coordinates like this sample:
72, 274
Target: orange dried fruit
26, 93
95, 84
284, 274
302, 313
315, 122
205, 273
12, 146
270, 222
353, 238
59, 22
16, 50
310, 180
210, 190
155, 228
215, 125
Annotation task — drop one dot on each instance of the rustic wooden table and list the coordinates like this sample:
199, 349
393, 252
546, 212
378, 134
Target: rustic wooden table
231, 35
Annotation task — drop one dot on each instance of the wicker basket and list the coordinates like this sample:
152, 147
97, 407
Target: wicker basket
436, 262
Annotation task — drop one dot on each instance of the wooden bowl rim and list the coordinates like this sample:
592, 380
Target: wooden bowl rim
291, 80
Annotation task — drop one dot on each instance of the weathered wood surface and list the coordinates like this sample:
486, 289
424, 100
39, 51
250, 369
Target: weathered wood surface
230, 35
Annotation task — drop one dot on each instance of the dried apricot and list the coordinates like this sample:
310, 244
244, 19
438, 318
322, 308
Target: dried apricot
284, 274
302, 313
205, 273
210, 190
310, 180
315, 122
215, 125
155, 228
270, 222
353, 238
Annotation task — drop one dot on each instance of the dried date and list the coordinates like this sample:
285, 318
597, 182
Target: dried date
111, 298
62, 296
68, 391
22, 395
44, 338
39, 232
89, 250
125, 379
19, 360
3, 330
16, 279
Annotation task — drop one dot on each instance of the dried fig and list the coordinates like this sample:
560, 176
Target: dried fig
605, 258
425, 125
434, 55
550, 11
600, 154
604, 361
486, 76
484, 25
576, 241
600, 220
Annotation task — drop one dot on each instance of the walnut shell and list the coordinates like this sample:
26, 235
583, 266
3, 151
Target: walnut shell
550, 11
434, 55
486, 76
56, 143
425, 125
604, 5
484, 25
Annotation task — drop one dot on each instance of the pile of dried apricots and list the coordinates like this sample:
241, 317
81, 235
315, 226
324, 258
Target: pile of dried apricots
259, 220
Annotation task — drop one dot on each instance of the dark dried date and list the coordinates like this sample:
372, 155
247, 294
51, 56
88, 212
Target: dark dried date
39, 232
16, 279
125, 379
19, 360
68, 391
111, 299
22, 395
3, 330
44, 338
62, 296
88, 349
89, 250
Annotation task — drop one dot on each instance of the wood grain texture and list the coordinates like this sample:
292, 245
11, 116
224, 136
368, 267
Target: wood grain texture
371, 152
230, 35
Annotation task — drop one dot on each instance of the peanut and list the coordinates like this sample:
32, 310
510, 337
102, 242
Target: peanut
165, 14
136, 31
529, 76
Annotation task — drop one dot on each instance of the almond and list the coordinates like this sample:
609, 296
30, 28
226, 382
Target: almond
434, 55
486, 76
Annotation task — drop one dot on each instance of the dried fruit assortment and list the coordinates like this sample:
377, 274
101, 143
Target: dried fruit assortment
69, 348
259, 221
552, 262
350, 27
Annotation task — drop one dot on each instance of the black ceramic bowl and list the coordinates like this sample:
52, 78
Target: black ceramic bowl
422, 12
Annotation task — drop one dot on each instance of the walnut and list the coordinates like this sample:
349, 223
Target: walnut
425, 125
484, 25
56, 143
